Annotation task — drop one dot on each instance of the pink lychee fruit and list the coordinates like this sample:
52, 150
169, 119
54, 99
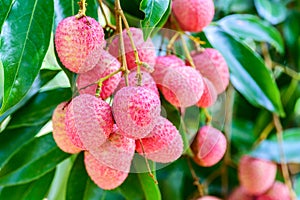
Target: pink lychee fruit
105, 177
106, 65
193, 15
59, 130
147, 81
209, 146
256, 175
208, 198
209, 96
146, 49
240, 193
162, 64
78, 43
278, 191
89, 121
182, 86
136, 111
117, 152
212, 65
163, 144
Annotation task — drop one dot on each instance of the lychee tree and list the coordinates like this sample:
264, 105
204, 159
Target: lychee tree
149, 99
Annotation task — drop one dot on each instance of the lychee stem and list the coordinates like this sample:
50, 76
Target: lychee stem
264, 134
196, 182
107, 24
101, 80
171, 42
82, 9
288, 71
186, 51
208, 116
183, 131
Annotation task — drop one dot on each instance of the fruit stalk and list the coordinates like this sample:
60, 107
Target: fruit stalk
82, 9
200, 187
101, 80
107, 24
186, 51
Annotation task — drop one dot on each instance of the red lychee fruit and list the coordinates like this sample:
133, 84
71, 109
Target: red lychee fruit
89, 121
59, 130
104, 176
208, 198
278, 191
136, 111
147, 81
117, 152
78, 43
193, 15
209, 96
106, 65
240, 193
209, 146
256, 175
182, 86
146, 49
163, 144
212, 65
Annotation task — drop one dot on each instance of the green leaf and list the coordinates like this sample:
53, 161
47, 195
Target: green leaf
131, 8
250, 26
5, 6
270, 149
34, 190
297, 185
25, 39
271, 10
131, 188
42, 156
154, 12
248, 73
39, 109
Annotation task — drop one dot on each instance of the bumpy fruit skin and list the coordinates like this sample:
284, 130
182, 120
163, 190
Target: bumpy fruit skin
89, 121
136, 111
182, 86
146, 49
193, 15
78, 43
278, 191
59, 130
209, 198
163, 144
117, 152
209, 146
256, 175
212, 65
209, 96
147, 81
104, 176
240, 194
106, 65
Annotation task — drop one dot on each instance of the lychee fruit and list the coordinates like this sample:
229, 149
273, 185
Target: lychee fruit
278, 191
89, 121
193, 15
256, 175
209, 96
240, 193
212, 65
163, 144
78, 43
106, 65
147, 81
208, 198
117, 152
209, 146
146, 49
59, 130
105, 177
182, 86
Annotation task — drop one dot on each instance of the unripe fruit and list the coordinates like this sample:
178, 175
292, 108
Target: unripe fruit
193, 15
88, 121
146, 49
78, 43
209, 146
147, 81
240, 194
182, 86
105, 177
278, 191
117, 152
136, 111
256, 175
163, 144
59, 130
209, 198
106, 65
209, 96
212, 65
